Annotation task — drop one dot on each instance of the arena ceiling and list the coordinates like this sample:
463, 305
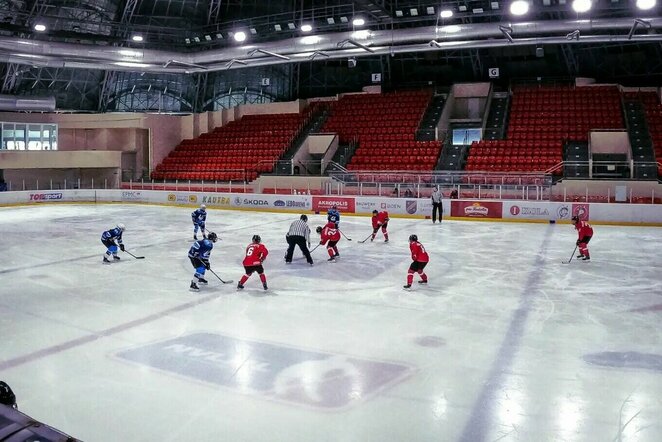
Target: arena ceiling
187, 36
104, 48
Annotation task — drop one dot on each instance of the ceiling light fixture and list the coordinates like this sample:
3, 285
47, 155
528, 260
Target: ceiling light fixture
310, 40
358, 21
240, 36
581, 6
645, 5
137, 38
519, 7
446, 13
39, 27
306, 28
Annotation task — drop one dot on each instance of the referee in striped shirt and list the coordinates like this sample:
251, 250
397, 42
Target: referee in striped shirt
299, 234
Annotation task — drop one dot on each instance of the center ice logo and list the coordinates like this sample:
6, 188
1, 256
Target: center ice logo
296, 376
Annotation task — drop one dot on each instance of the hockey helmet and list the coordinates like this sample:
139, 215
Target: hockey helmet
319, 229
257, 239
304, 218
375, 212
212, 237
121, 226
7, 396
413, 238
575, 219
203, 207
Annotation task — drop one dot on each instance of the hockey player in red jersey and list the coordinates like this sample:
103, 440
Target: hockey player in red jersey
256, 253
330, 235
379, 219
585, 233
420, 260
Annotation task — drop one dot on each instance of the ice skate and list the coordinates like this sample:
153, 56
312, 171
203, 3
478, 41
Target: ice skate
386, 240
423, 282
239, 286
332, 259
195, 237
265, 286
580, 256
194, 287
116, 258
586, 258
407, 286
202, 281
105, 260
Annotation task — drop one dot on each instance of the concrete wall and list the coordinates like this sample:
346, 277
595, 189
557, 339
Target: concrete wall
59, 159
610, 142
470, 90
44, 179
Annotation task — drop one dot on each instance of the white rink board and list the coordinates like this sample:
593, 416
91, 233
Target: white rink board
414, 207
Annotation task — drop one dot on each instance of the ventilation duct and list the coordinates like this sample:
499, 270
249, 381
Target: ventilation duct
29, 104
335, 45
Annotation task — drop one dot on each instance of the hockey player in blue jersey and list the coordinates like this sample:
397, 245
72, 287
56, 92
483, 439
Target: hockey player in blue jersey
199, 217
108, 239
333, 216
199, 256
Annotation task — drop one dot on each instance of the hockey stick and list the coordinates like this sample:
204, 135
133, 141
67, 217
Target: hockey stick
229, 281
343, 234
137, 257
367, 238
310, 252
571, 256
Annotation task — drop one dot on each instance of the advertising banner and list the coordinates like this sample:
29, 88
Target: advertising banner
537, 210
324, 203
476, 209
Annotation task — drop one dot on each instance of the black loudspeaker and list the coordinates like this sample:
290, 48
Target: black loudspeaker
540, 52
351, 63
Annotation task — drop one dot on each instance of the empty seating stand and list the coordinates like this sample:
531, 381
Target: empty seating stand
238, 151
384, 125
541, 120
651, 102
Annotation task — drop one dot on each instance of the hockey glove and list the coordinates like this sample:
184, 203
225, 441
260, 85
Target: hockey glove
207, 265
579, 241
122, 247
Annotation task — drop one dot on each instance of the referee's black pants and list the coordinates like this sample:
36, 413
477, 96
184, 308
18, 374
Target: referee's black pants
437, 207
301, 242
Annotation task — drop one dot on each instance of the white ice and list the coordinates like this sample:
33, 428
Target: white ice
502, 344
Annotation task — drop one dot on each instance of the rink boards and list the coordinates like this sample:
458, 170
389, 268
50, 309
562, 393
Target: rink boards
518, 211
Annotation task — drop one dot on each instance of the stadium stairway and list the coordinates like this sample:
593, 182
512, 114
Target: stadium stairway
452, 157
575, 152
316, 114
497, 117
643, 153
427, 128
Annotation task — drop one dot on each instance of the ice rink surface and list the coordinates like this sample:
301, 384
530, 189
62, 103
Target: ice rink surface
506, 343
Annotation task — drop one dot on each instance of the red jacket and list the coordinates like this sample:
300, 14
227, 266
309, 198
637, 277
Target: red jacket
584, 229
380, 219
255, 254
330, 233
418, 252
